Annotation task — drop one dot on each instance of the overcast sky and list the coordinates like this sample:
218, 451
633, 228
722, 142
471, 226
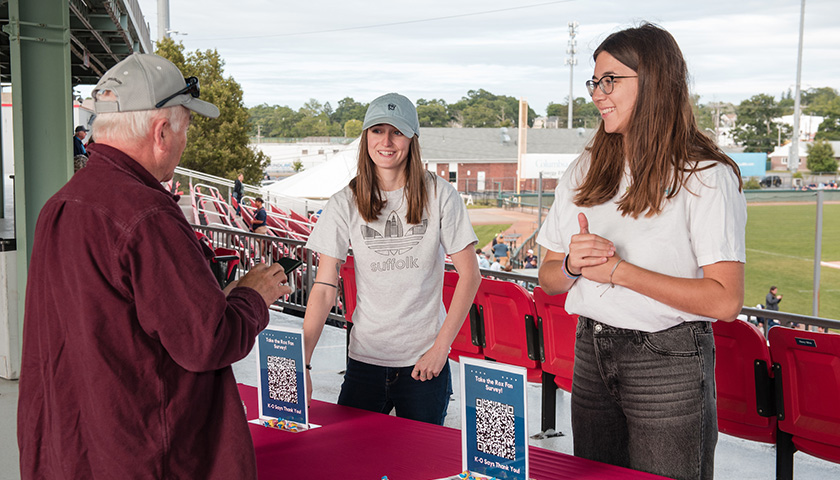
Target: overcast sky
285, 53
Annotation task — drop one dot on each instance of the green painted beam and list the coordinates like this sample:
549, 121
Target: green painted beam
102, 23
39, 37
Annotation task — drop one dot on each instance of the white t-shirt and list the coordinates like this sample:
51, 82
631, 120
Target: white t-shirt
704, 224
399, 269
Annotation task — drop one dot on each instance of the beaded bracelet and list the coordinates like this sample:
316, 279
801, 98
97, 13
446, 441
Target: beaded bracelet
566, 272
612, 285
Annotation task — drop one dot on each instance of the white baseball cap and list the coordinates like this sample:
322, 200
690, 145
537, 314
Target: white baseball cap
144, 81
396, 110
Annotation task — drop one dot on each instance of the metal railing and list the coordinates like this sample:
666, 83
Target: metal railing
303, 206
786, 318
254, 248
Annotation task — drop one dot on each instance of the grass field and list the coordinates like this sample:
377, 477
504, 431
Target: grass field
485, 233
780, 251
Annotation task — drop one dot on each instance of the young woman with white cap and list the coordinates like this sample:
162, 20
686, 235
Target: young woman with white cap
401, 221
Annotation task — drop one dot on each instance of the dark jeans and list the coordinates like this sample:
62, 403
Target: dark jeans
381, 389
646, 401
238, 203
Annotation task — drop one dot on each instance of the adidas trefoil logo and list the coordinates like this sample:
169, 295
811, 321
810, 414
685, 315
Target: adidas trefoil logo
393, 240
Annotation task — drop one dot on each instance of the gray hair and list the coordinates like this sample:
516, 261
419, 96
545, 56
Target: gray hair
131, 127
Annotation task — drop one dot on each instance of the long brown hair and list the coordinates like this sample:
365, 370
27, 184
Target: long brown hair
662, 144
365, 185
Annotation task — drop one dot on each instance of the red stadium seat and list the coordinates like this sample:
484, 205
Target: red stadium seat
745, 403
348, 280
558, 353
806, 366
470, 338
558, 332
510, 328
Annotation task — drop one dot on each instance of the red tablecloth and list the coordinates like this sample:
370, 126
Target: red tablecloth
357, 444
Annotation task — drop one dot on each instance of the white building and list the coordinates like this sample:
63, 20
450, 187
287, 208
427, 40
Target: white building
808, 125
284, 155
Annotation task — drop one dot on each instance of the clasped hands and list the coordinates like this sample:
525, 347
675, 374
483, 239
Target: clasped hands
591, 255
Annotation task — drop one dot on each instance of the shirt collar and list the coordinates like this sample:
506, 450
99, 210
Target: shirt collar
127, 164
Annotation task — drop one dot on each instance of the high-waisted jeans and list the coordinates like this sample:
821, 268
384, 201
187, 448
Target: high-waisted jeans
646, 401
382, 389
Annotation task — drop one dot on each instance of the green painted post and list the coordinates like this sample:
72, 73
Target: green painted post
39, 37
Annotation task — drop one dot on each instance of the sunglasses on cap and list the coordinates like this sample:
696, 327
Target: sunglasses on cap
191, 88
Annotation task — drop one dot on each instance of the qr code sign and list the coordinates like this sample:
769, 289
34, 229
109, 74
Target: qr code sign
495, 429
282, 379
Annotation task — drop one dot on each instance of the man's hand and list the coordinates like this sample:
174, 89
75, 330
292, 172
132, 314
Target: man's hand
268, 281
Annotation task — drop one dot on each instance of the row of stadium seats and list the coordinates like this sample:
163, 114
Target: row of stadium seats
785, 393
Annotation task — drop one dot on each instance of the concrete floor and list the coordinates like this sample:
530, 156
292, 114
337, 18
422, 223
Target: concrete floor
735, 459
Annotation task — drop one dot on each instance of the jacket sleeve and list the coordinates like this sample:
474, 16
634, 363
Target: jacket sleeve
178, 301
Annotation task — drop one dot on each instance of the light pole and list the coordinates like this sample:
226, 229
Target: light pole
793, 155
163, 19
571, 62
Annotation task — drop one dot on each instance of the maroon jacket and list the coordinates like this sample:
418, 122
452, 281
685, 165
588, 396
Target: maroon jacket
128, 340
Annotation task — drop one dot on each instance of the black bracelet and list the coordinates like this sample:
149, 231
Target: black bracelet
308, 366
327, 284
567, 272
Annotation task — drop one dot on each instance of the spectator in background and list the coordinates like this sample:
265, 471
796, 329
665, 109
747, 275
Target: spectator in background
78, 141
79, 162
532, 263
773, 299
496, 266
500, 251
258, 224
483, 262
530, 256
127, 374
237, 192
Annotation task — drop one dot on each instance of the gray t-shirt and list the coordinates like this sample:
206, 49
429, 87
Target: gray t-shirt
399, 269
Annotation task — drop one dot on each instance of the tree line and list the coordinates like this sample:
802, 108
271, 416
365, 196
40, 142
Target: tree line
757, 127
222, 146
477, 109
216, 146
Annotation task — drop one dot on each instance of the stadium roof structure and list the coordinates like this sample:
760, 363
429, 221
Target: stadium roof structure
102, 33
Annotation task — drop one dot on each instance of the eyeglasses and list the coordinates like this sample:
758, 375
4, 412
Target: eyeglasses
191, 88
606, 83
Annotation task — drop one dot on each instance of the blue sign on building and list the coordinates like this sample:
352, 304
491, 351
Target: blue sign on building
751, 164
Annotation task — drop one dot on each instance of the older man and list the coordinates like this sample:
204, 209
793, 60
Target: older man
78, 141
128, 339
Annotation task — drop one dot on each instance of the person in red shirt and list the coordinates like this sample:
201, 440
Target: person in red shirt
128, 338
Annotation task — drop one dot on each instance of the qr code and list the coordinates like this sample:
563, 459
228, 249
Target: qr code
282, 379
494, 426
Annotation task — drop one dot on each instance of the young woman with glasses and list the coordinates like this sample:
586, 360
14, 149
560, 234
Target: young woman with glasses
647, 235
